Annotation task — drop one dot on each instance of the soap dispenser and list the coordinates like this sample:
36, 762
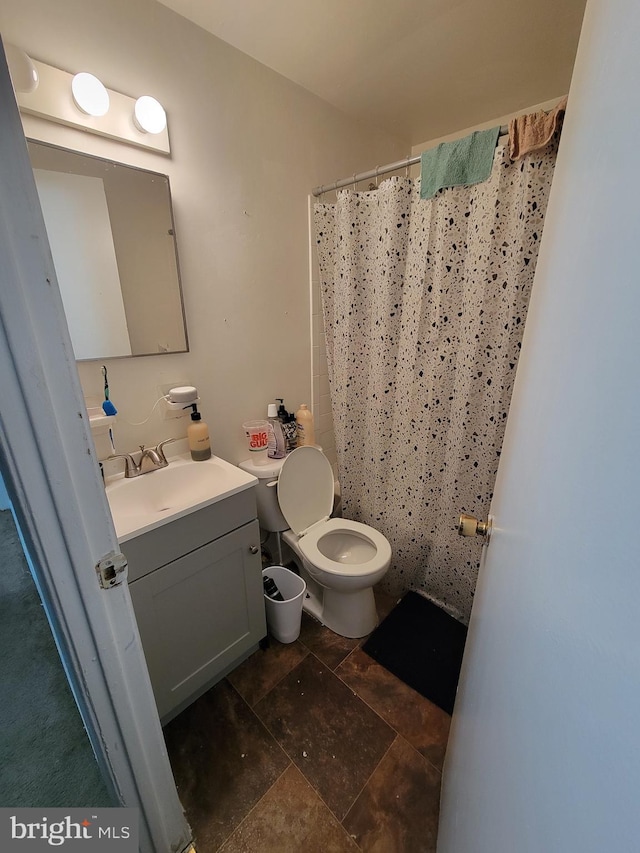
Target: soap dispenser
198, 437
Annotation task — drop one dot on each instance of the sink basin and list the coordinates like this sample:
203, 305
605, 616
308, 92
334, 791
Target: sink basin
143, 503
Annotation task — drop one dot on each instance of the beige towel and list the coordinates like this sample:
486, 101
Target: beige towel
534, 131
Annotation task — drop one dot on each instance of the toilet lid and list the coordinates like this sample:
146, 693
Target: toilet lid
305, 488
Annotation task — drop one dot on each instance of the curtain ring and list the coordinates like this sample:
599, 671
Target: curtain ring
377, 167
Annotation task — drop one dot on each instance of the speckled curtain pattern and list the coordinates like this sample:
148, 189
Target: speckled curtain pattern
424, 305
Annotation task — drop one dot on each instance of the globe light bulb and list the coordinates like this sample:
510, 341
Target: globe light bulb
89, 94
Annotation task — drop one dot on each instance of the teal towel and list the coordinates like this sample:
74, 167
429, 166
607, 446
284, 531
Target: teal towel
460, 163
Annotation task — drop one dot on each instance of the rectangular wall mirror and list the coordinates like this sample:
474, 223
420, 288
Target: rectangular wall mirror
112, 238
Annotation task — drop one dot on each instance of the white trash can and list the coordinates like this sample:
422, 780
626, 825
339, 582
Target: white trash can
284, 617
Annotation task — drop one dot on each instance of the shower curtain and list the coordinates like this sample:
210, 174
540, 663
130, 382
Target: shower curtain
424, 305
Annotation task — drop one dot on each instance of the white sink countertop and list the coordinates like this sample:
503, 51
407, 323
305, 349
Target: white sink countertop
142, 503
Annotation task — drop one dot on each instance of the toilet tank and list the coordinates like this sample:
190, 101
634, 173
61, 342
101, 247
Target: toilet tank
269, 515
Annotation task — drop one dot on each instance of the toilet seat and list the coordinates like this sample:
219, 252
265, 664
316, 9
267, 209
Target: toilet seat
380, 559
305, 495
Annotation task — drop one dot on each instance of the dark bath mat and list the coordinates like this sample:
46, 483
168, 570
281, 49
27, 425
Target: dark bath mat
421, 645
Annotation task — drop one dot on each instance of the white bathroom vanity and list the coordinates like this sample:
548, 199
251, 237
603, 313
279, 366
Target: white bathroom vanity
192, 542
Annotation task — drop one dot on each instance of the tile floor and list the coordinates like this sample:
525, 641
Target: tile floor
311, 746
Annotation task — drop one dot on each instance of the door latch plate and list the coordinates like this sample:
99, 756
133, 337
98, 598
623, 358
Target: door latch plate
112, 570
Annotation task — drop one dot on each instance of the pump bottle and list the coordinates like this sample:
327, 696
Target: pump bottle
198, 437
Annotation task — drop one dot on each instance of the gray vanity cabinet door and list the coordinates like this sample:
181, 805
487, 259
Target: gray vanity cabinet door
199, 613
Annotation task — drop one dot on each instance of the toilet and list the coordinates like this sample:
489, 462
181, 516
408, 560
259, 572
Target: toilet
340, 560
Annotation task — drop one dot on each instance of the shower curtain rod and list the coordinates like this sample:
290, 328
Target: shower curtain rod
375, 173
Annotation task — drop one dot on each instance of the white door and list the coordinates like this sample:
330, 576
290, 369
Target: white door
53, 479
544, 755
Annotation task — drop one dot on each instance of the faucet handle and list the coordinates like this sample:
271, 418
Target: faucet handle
160, 448
130, 467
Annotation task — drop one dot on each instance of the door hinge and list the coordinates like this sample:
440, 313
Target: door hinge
112, 570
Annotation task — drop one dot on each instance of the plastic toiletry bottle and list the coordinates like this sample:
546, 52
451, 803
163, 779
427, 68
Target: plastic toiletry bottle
277, 447
198, 436
291, 432
271, 589
304, 421
289, 428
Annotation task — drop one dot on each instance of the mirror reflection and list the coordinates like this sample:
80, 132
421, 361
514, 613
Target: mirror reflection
111, 232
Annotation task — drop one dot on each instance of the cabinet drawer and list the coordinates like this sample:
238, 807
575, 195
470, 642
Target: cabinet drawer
154, 549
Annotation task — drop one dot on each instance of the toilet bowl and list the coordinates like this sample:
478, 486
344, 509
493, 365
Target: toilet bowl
339, 559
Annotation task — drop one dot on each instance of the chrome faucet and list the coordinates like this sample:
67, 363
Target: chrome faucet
157, 461
154, 454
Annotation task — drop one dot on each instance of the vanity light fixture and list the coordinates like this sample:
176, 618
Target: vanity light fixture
93, 108
24, 75
89, 94
149, 115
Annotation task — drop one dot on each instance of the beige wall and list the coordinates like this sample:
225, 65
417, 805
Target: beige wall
486, 125
247, 146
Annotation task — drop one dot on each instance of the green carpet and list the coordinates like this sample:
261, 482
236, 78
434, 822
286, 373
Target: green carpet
46, 759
